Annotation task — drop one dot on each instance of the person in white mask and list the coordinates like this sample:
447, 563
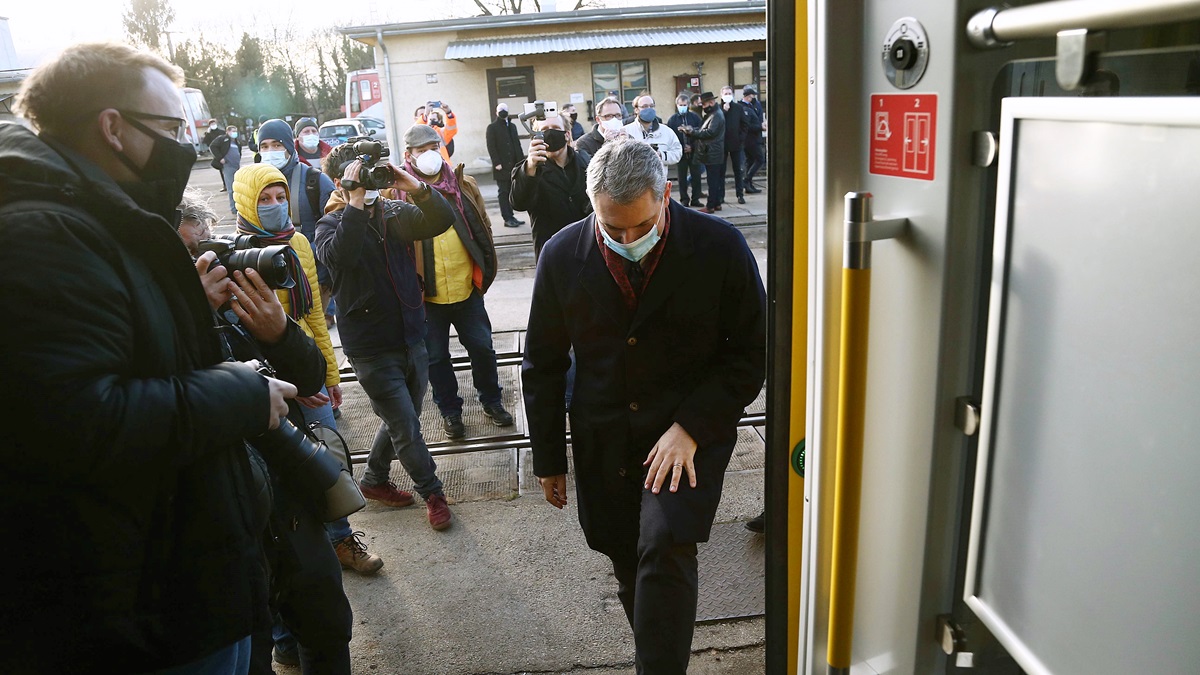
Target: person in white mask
457, 267
665, 310
610, 123
310, 149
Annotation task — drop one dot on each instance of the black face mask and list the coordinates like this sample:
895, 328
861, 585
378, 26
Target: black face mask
165, 174
708, 109
574, 117
556, 139
503, 114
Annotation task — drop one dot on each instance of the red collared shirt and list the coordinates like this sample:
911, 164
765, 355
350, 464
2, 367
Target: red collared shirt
620, 267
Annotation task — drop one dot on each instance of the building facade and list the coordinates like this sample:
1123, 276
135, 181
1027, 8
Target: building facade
568, 57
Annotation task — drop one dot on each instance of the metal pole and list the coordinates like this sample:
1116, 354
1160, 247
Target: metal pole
995, 27
861, 230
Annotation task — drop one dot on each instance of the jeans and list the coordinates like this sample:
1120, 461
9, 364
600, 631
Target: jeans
716, 185
227, 173
736, 158
395, 382
754, 160
470, 317
688, 171
231, 660
658, 587
340, 528
504, 187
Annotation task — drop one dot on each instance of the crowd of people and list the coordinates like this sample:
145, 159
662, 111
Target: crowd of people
159, 377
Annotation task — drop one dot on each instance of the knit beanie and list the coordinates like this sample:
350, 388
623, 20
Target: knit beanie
279, 131
303, 123
248, 183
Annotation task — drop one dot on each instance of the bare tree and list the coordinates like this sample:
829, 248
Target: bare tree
497, 7
146, 22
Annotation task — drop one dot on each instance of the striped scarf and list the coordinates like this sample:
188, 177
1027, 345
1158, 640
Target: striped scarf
300, 296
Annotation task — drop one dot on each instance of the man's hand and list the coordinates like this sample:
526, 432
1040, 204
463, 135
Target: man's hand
537, 156
215, 280
279, 392
335, 395
355, 198
671, 455
315, 401
258, 307
405, 180
555, 488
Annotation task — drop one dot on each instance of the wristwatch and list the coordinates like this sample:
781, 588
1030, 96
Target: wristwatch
426, 190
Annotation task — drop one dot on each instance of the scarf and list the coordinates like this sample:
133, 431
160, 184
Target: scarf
300, 295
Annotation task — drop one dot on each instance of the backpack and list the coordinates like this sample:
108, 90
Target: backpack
312, 188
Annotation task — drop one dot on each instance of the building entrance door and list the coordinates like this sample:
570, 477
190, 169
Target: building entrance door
513, 86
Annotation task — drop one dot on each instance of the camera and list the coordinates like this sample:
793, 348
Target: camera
320, 477
243, 253
434, 104
538, 110
373, 176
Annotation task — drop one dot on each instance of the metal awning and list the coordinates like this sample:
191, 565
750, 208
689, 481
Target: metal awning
616, 39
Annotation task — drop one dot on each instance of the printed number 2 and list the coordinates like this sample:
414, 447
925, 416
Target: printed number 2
917, 104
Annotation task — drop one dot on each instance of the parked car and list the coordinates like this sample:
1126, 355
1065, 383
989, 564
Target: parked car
335, 132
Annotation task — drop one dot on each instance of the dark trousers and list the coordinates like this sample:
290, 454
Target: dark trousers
688, 173
470, 317
754, 161
306, 588
716, 185
504, 186
736, 159
658, 587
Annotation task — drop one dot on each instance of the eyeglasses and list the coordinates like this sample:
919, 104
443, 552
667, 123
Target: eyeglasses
177, 128
611, 116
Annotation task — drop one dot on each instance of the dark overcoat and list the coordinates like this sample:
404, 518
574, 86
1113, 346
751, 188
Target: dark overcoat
692, 352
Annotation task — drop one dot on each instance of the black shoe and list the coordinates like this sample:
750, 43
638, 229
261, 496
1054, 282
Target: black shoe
741, 199
499, 416
337, 413
758, 524
518, 220
512, 222
695, 203
454, 426
752, 190
702, 196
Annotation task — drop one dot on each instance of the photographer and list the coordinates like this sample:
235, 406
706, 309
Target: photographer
438, 115
551, 184
126, 448
367, 243
684, 121
647, 128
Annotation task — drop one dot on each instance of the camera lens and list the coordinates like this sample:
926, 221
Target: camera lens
271, 263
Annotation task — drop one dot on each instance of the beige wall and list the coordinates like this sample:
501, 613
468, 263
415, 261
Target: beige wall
464, 84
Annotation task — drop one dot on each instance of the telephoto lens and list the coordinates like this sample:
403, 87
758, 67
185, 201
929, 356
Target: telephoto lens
271, 263
320, 478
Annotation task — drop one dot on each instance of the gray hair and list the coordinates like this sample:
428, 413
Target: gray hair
195, 207
609, 100
624, 169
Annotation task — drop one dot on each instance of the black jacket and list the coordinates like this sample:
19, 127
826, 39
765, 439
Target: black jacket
379, 299
554, 198
737, 125
124, 457
504, 146
693, 352
708, 142
591, 142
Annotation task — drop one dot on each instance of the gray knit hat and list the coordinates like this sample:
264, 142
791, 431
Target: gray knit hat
420, 134
303, 123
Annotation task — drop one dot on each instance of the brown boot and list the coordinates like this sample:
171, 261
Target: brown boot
352, 553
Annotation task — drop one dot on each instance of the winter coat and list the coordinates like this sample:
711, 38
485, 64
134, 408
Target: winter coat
475, 234
708, 142
124, 459
313, 323
591, 142
687, 119
504, 146
662, 137
737, 125
554, 198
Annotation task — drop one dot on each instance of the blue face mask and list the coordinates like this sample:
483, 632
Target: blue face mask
681, 108
637, 250
274, 217
276, 158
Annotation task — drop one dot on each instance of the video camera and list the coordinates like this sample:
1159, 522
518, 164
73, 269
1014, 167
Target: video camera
374, 175
243, 253
538, 110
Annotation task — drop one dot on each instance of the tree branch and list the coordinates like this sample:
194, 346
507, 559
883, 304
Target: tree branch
483, 8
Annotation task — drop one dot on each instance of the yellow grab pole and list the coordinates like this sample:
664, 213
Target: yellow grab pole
861, 230
847, 491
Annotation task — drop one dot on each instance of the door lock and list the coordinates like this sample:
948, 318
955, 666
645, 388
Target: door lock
905, 53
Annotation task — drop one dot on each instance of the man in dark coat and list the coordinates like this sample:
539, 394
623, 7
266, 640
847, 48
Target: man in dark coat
610, 123
504, 148
708, 146
126, 460
683, 121
551, 184
754, 157
737, 127
665, 311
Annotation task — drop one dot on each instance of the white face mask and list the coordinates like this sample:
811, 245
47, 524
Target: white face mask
429, 162
276, 158
371, 196
612, 125
310, 142
212, 127
728, 98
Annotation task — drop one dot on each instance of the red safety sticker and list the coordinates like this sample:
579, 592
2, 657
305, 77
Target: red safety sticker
903, 135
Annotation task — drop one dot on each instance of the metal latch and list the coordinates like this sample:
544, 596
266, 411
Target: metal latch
953, 642
966, 416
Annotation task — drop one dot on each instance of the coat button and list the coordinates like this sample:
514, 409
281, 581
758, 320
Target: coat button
631, 341
633, 406
621, 472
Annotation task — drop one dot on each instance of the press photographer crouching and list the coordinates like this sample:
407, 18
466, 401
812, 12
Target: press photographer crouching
306, 581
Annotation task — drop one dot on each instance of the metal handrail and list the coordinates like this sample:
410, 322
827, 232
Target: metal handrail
996, 27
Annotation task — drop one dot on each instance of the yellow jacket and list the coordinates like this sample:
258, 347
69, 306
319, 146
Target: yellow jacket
313, 323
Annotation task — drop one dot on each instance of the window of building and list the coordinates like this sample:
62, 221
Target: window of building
745, 70
626, 78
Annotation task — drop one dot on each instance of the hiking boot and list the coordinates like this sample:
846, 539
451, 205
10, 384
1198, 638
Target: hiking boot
759, 524
499, 416
753, 189
352, 553
453, 425
387, 494
438, 511
286, 657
